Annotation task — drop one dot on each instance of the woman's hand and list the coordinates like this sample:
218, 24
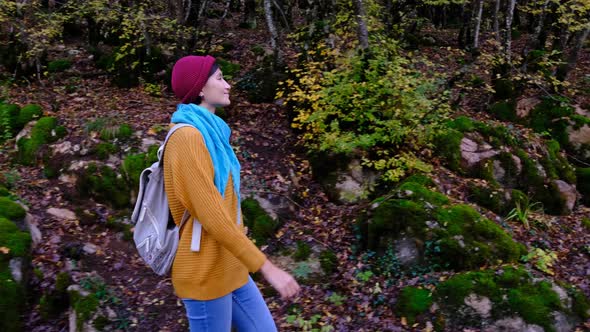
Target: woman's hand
280, 280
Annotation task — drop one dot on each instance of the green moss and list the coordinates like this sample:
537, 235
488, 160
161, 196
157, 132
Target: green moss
11, 209
3, 191
56, 301
59, 65
510, 289
62, 281
583, 184
417, 192
462, 124
132, 167
328, 261
413, 301
391, 218
103, 150
105, 185
504, 110
504, 88
419, 179
586, 223
448, 146
118, 226
473, 240
45, 131
262, 226
100, 323
511, 169
490, 197
83, 306
556, 165
535, 304
12, 301
12, 238
303, 251
580, 303
551, 115
485, 171
28, 113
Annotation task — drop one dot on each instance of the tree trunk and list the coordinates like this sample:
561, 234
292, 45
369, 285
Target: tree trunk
477, 25
508, 32
274, 35
496, 20
363, 34
572, 59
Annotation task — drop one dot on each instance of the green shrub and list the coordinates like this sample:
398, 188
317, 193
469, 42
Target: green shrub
59, 65
380, 106
11, 210
413, 301
8, 120
229, 69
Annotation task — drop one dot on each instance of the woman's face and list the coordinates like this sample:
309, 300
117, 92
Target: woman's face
216, 91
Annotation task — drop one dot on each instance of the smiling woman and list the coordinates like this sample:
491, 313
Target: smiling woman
202, 179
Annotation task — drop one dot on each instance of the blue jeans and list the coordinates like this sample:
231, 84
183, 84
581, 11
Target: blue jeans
243, 308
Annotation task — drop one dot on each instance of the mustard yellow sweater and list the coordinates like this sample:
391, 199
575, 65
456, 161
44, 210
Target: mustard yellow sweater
226, 255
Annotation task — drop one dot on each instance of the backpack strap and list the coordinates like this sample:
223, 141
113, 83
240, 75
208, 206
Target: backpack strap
197, 228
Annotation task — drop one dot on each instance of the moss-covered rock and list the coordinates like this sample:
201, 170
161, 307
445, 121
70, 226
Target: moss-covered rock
103, 183
444, 231
413, 301
448, 146
134, 164
490, 197
28, 113
45, 131
504, 110
583, 181
11, 210
511, 291
472, 240
12, 293
262, 226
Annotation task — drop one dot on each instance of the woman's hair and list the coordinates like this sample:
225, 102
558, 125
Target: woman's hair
214, 68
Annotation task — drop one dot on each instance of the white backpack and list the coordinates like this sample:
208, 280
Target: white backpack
155, 235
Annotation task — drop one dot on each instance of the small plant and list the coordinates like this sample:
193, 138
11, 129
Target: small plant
303, 251
364, 276
153, 89
543, 260
336, 299
302, 271
309, 324
523, 210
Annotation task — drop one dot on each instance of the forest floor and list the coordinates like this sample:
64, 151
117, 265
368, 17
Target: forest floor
272, 165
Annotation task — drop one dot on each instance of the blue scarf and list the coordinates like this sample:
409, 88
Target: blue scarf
216, 135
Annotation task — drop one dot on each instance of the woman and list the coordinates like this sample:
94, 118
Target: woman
202, 176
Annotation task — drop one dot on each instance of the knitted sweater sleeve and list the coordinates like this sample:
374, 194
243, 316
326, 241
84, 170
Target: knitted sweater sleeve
192, 179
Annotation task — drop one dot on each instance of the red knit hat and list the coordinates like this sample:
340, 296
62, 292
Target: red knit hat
189, 76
